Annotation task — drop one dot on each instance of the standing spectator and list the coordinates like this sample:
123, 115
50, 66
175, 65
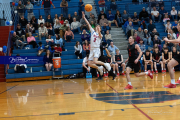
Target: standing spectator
75, 25
105, 28
147, 37
68, 35
58, 40
135, 19
151, 26
57, 25
33, 22
23, 21
83, 24
78, 50
64, 7
31, 40
29, 8
113, 5
108, 37
63, 30
81, 7
166, 18
85, 36
143, 15
93, 19
142, 46
101, 13
76, 16
129, 27
20, 68
40, 20
140, 33
155, 14
47, 7
55, 18
20, 32
125, 16
102, 5
173, 13
86, 47
42, 31
163, 12
136, 38
61, 21
47, 59
17, 41
168, 26
112, 48
49, 19
69, 18
103, 20
20, 9
28, 30
111, 19
118, 18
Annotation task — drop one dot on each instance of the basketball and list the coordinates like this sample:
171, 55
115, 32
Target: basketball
88, 7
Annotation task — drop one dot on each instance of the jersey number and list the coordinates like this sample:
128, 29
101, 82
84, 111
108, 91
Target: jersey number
94, 39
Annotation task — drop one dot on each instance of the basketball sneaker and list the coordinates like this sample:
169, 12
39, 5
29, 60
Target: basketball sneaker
165, 71
104, 75
122, 73
100, 69
97, 75
178, 82
107, 65
170, 86
128, 87
156, 72
117, 74
107, 74
150, 74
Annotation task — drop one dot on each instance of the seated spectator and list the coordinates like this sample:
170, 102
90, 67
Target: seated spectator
20, 32
61, 21
68, 35
167, 26
108, 37
32, 28
47, 59
17, 41
125, 16
86, 47
49, 28
20, 68
105, 28
40, 20
84, 25
157, 42
99, 16
169, 45
31, 40
127, 23
42, 31
92, 24
23, 21
142, 46
57, 25
135, 19
85, 65
155, 14
174, 25
151, 26
103, 20
67, 23
143, 25
52, 48
33, 22
78, 50
93, 19
163, 12
62, 17
63, 30
175, 51
166, 57
49, 19
171, 32
156, 55
76, 16
119, 62
111, 19
49, 41
143, 15
85, 36
55, 18
75, 25
41, 49
140, 33
69, 18
147, 59
28, 30
136, 38
166, 18
129, 27
153, 33
118, 18
58, 49
113, 5
112, 48
173, 13
102, 5
147, 37
58, 40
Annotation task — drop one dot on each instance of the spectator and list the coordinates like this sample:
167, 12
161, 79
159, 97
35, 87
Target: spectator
157, 42
49, 28
55, 18
147, 37
42, 31
119, 62
113, 5
85, 65
86, 47
155, 14
142, 46
40, 20
20, 9
29, 8
31, 40
67, 23
64, 7
147, 59
63, 30
20, 68
125, 16
99, 16
47, 59
52, 48
78, 50
136, 38
47, 7
93, 19
41, 49
33, 22
156, 58
75, 25
57, 25
61, 21
58, 49
151, 26
62, 17
69, 18
112, 48
81, 7
140, 33
143, 15
58, 40
160, 3
83, 24
166, 18
28, 30
105, 28
174, 26
103, 20
168, 26
129, 27
23, 21
17, 41
108, 37
135, 19
171, 32
49, 41
143, 25
68, 35
153, 33
76, 16
127, 22
85, 36
173, 13
20, 32
163, 12
49, 19
118, 18
102, 5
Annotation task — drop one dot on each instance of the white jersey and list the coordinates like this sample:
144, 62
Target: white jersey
95, 39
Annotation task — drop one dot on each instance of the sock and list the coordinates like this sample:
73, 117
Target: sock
145, 70
164, 68
104, 72
179, 78
114, 72
173, 81
146, 73
173, 68
97, 73
122, 71
155, 69
129, 83
117, 71
152, 70
107, 72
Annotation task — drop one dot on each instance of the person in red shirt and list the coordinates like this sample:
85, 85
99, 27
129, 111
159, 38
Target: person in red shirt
47, 5
102, 5
58, 49
61, 21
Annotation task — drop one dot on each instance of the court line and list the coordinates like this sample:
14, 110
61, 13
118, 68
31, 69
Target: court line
131, 103
9, 89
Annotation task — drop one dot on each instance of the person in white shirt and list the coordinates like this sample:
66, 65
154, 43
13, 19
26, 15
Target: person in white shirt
78, 50
42, 31
155, 14
173, 13
40, 20
168, 26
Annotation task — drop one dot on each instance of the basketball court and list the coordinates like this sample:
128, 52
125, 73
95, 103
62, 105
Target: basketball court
88, 99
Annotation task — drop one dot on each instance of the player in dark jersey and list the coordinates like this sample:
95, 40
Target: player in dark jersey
156, 55
119, 62
174, 53
133, 60
166, 56
173, 62
147, 59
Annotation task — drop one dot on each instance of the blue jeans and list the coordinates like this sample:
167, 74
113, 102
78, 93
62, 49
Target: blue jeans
174, 17
119, 20
146, 19
47, 12
102, 8
108, 41
64, 11
147, 41
153, 18
79, 30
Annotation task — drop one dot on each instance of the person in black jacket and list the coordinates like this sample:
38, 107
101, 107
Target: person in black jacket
143, 15
17, 41
118, 18
153, 33
20, 32
151, 26
23, 21
102, 13
34, 22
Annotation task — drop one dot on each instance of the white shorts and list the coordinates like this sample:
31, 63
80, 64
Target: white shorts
94, 53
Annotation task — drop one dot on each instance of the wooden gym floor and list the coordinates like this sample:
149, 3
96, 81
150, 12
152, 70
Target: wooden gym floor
88, 99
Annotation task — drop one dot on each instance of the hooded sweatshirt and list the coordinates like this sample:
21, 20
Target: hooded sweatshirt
75, 25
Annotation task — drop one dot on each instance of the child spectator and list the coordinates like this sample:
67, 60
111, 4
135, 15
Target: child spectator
68, 35
174, 26
41, 49
168, 26
78, 50
147, 59
156, 58
52, 50
58, 49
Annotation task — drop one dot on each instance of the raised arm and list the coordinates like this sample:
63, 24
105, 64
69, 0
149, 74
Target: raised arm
172, 41
83, 16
